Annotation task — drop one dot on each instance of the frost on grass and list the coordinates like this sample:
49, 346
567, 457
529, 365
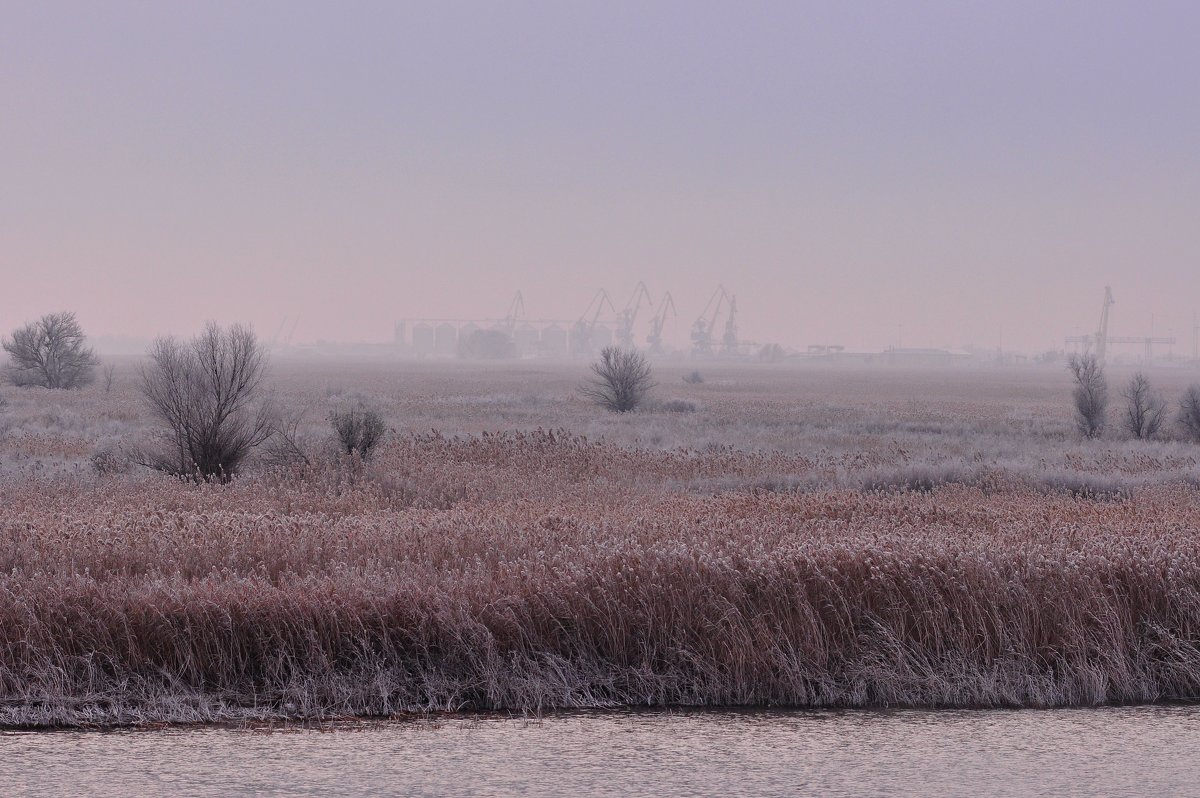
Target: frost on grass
527, 572
905, 554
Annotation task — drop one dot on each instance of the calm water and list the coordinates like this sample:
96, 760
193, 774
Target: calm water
1085, 752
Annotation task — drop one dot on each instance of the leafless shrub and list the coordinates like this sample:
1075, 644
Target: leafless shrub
287, 446
1145, 410
694, 378
1189, 413
51, 352
677, 406
621, 379
109, 372
358, 430
1090, 394
207, 392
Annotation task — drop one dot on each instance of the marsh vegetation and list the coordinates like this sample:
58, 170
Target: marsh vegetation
799, 537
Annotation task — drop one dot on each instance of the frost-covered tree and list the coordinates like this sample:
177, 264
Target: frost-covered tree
1090, 394
621, 379
51, 352
208, 393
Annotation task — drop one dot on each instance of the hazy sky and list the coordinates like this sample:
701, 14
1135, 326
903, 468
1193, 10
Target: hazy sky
960, 169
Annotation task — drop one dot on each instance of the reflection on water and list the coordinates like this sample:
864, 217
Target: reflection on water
1085, 752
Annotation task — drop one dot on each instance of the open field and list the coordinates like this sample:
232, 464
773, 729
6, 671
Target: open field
793, 536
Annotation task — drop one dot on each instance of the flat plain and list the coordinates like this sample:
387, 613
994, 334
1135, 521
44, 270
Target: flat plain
774, 535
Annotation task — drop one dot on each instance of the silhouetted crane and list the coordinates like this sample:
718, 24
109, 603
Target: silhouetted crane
630, 313
706, 323
516, 311
656, 324
729, 341
583, 333
1098, 342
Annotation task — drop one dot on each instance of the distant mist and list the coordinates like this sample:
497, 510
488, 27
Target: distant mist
857, 174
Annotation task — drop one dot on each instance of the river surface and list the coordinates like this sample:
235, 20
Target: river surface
1134, 751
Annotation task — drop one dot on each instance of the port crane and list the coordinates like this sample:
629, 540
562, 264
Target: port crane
1097, 343
705, 325
665, 306
516, 311
275, 342
583, 333
278, 332
729, 340
630, 313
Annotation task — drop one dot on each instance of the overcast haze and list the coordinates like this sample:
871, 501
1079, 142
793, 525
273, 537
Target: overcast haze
963, 170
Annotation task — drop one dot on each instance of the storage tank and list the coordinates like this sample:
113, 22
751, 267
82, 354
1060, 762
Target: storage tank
554, 341
445, 340
422, 339
601, 337
525, 339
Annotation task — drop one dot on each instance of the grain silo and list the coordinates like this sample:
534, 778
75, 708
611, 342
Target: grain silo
445, 340
422, 339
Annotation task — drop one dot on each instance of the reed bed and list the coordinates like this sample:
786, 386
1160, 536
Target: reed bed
528, 571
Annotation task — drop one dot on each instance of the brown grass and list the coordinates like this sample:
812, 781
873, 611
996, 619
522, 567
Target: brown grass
532, 570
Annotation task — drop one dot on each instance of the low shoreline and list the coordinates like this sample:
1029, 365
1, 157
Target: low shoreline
284, 724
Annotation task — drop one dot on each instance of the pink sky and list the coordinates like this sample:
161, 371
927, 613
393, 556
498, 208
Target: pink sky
959, 171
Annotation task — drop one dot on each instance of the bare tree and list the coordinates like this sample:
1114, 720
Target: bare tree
1145, 410
621, 379
207, 391
359, 430
287, 445
109, 372
1090, 394
1189, 412
51, 352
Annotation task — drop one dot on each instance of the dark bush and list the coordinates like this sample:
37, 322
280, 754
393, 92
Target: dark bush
1189, 413
207, 392
1145, 411
359, 430
1090, 394
621, 380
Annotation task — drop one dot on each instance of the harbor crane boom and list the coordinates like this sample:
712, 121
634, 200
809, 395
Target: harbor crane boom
706, 323
667, 305
1098, 342
516, 310
583, 333
630, 313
